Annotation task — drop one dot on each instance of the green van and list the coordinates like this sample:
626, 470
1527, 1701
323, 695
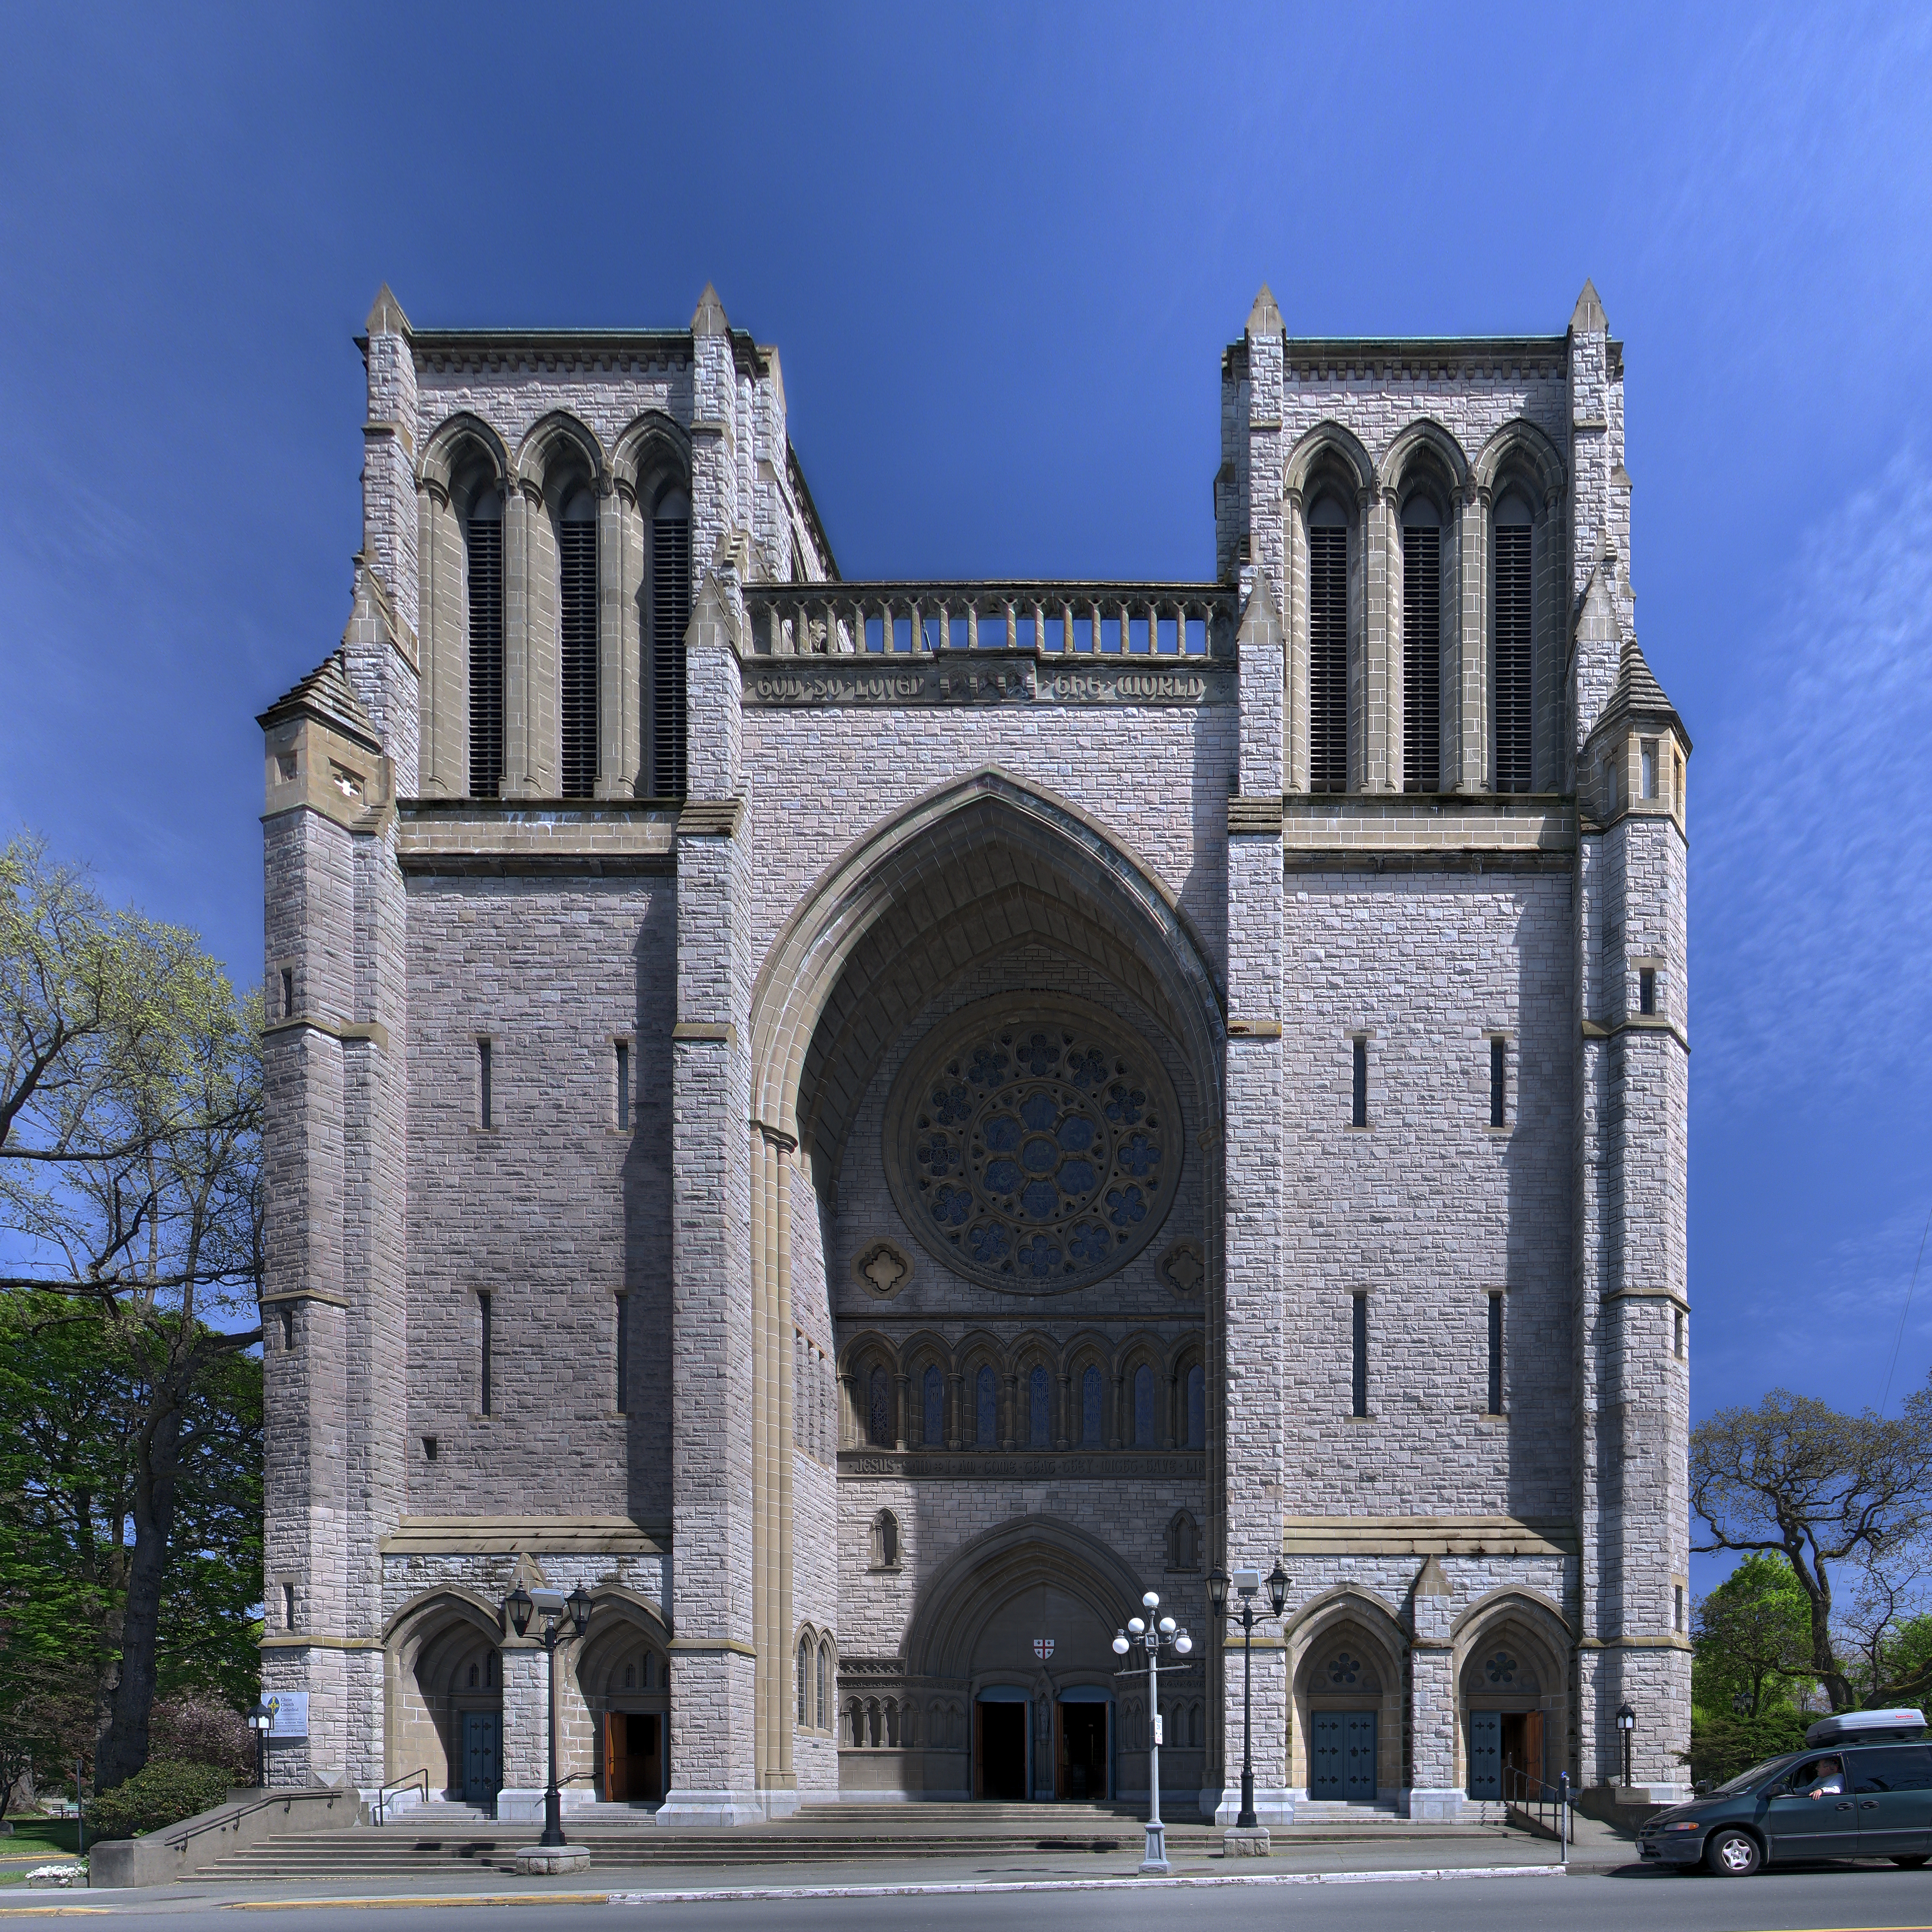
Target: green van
1861, 1789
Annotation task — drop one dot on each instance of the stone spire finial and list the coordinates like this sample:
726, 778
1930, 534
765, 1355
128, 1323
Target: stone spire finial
1588, 318
385, 315
1264, 318
709, 317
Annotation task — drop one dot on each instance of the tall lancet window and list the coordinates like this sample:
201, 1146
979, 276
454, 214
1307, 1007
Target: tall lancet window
985, 1411
1328, 647
670, 615
483, 534
1515, 638
576, 609
879, 1410
1421, 646
932, 1407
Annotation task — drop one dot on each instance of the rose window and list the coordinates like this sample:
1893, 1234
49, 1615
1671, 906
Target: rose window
1034, 1151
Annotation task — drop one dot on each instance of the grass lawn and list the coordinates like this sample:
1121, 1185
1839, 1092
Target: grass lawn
37, 1841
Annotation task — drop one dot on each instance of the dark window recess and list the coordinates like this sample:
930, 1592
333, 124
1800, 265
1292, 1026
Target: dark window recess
288, 1607
623, 1355
1359, 1391
486, 649
288, 1328
623, 1084
1515, 630
288, 992
1421, 659
1646, 990
1499, 1083
576, 584
429, 1448
1328, 660
1359, 1115
1495, 1355
485, 1101
670, 615
486, 1341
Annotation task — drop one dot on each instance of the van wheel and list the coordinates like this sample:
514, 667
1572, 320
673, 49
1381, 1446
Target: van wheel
1910, 1861
1733, 1855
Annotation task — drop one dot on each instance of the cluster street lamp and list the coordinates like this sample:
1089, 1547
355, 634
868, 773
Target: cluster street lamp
260, 1719
555, 1607
1247, 1587
1151, 1635
1626, 1723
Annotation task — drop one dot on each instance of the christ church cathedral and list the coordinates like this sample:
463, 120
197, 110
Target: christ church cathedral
863, 1125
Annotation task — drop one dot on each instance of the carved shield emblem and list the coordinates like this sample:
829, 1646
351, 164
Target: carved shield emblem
1042, 1648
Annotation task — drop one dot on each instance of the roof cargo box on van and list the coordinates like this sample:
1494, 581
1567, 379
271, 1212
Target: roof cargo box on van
1868, 1727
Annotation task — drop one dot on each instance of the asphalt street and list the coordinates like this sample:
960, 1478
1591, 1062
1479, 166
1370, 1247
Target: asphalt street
1848, 1900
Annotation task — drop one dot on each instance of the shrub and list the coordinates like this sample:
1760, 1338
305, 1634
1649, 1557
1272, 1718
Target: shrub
1722, 1745
195, 1729
162, 1794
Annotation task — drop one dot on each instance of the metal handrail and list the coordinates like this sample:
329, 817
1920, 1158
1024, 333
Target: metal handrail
379, 1811
223, 1819
1533, 1797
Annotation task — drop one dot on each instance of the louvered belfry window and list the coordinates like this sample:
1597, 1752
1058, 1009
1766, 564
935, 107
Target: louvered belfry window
1421, 658
1514, 634
1328, 659
484, 533
576, 585
670, 614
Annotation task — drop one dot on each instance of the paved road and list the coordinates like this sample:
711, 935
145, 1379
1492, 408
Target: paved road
1858, 1899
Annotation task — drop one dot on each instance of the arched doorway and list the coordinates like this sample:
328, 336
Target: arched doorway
1348, 1704
446, 1705
1512, 1712
623, 1674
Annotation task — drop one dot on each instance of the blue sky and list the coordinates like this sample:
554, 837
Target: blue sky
1000, 249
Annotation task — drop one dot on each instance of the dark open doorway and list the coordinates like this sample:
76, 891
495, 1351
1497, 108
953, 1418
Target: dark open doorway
1522, 1750
1083, 1751
633, 1761
1002, 1752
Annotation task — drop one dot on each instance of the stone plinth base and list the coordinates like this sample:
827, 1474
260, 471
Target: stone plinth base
546, 1861
1649, 1794
1250, 1844
682, 1809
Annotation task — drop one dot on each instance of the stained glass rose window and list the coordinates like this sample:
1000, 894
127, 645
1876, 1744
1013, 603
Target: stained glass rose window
1034, 1149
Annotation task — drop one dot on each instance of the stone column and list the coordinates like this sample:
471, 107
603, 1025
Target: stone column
1468, 719
1435, 1775
526, 1728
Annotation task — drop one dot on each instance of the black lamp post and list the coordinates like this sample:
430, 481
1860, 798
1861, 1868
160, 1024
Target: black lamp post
1247, 1585
1626, 1723
555, 1607
259, 1720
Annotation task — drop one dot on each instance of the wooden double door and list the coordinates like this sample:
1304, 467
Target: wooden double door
633, 1756
1342, 1755
1505, 1751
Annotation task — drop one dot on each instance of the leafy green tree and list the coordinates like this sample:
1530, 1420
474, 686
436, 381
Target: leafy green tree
1825, 1490
1752, 1638
129, 1121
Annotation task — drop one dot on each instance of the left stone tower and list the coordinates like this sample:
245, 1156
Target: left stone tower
339, 749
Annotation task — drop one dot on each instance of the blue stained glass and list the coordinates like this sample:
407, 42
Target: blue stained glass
1125, 1105
1143, 1428
990, 1242
1039, 1110
1039, 1155
1076, 1133
1087, 1068
1090, 1410
1038, 1055
952, 1104
1197, 1408
1139, 1156
1002, 1177
985, 1411
1089, 1243
1125, 1206
1039, 1257
1077, 1177
1041, 1200
989, 1064
1002, 1133
1040, 1413
936, 1156
951, 1205
933, 1401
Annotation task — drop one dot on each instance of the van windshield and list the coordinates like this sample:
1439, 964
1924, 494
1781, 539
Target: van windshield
1745, 1780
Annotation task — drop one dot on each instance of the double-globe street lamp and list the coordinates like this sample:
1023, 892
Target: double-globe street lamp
555, 1608
1151, 1635
1247, 1587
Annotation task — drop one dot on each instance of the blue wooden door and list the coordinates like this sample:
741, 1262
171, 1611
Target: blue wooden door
1325, 1758
482, 1756
1358, 1755
1486, 1754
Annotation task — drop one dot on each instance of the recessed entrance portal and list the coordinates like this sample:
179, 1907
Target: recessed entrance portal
999, 1757
1083, 1753
633, 1762
1342, 1755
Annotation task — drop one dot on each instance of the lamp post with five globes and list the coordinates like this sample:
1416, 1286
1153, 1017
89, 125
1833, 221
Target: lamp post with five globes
1151, 1635
555, 1607
1247, 1586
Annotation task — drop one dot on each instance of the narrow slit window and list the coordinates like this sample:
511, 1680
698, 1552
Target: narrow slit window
288, 1329
486, 1113
1515, 633
1495, 1355
1328, 649
1678, 1338
1359, 1379
1677, 1594
1646, 756
288, 1607
429, 1448
670, 614
288, 993
484, 560
486, 1342
1359, 1112
622, 1340
623, 1084
1499, 1083
577, 610
1646, 990
1421, 649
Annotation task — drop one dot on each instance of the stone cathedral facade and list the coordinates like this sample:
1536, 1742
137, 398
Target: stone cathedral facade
867, 1124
